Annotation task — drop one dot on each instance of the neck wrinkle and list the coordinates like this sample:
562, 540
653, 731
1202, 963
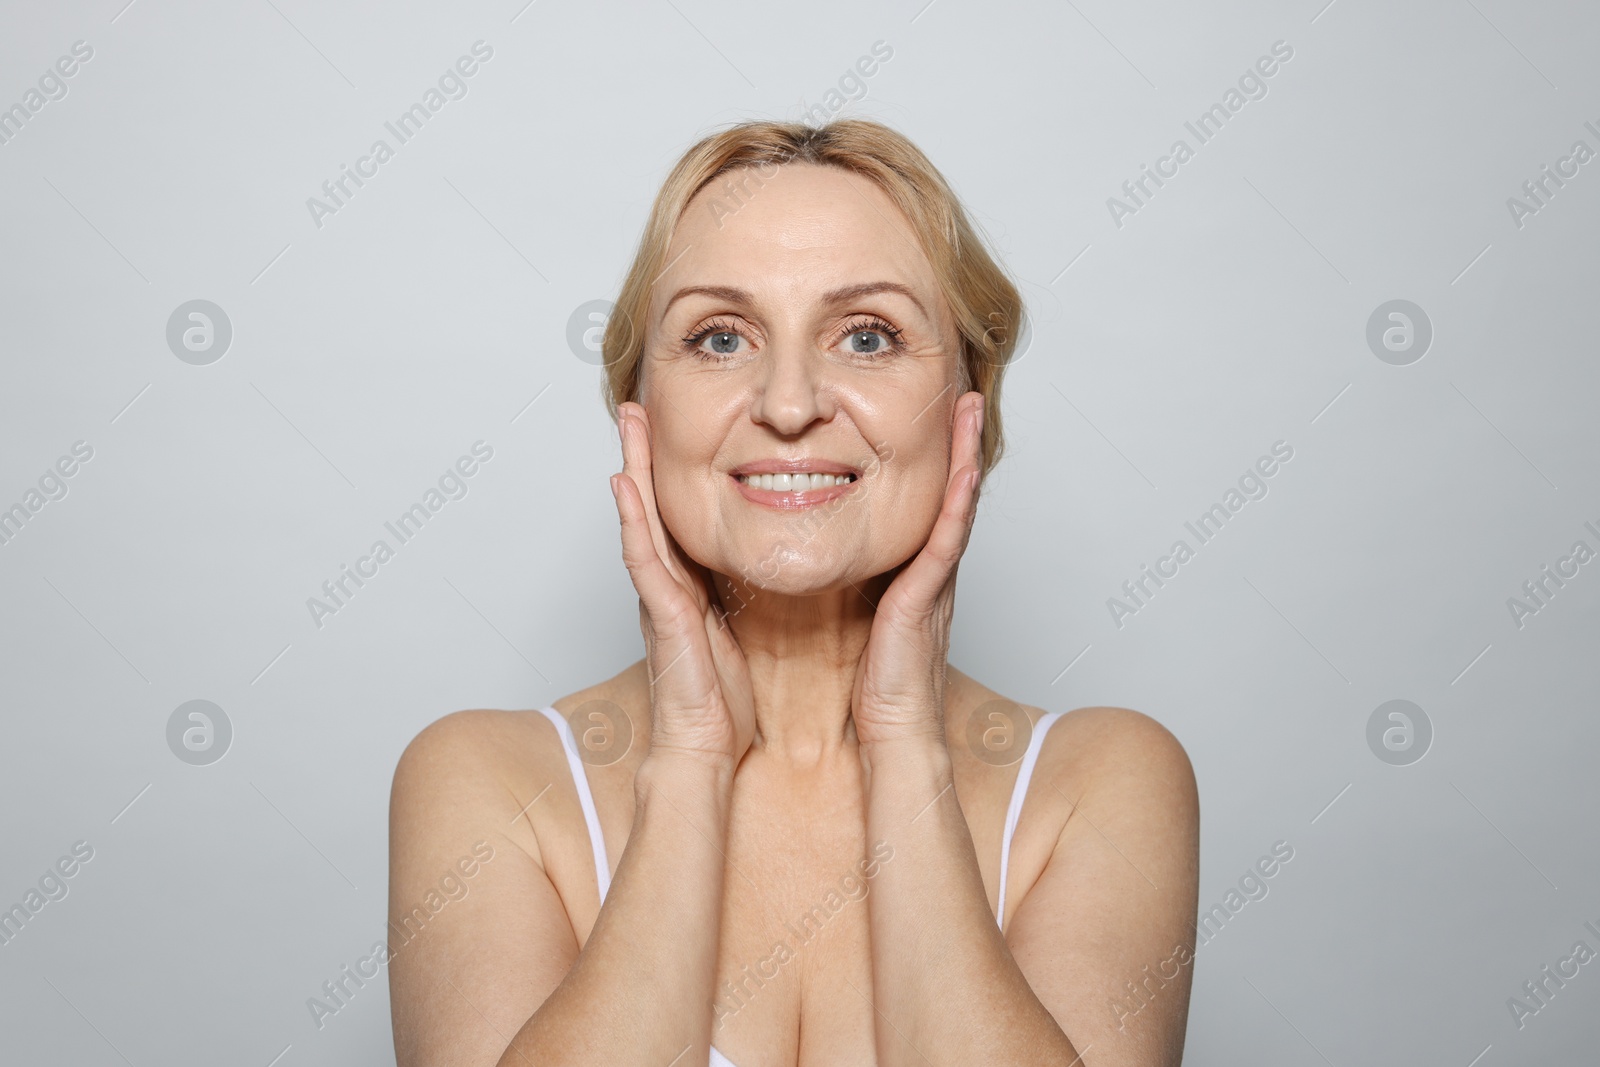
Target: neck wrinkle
803, 653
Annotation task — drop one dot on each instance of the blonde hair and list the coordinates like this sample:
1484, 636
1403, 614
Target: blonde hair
983, 300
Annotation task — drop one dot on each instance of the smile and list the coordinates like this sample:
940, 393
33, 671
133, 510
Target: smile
788, 489
798, 482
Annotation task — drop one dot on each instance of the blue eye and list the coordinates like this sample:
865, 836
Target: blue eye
861, 335
860, 338
724, 342
869, 337
723, 337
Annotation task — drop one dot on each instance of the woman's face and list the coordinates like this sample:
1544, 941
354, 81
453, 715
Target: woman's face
799, 328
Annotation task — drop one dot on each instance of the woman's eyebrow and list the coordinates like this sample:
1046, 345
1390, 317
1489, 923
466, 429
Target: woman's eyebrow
735, 295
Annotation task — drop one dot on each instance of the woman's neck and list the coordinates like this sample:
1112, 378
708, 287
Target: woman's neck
803, 652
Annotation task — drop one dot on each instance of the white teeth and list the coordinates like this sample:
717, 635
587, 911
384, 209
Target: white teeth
794, 483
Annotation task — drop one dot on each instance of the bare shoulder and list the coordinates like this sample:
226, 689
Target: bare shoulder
473, 732
1121, 741
1122, 761
470, 768
516, 743
474, 741
480, 765
479, 881
1084, 743
1112, 883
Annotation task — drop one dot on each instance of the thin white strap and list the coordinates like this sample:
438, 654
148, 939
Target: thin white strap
591, 818
1019, 792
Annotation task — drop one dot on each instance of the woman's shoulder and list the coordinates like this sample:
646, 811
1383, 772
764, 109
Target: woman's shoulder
1111, 730
470, 768
1084, 743
473, 741
482, 762
1125, 766
509, 738
510, 770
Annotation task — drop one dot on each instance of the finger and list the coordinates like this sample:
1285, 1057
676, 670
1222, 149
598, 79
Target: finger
636, 464
966, 438
921, 583
672, 554
966, 453
932, 567
663, 597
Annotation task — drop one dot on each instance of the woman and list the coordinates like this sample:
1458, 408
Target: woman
824, 845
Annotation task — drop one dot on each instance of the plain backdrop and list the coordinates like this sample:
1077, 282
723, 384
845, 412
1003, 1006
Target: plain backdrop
1172, 346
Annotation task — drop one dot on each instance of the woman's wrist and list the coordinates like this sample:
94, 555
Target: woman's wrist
684, 771
919, 754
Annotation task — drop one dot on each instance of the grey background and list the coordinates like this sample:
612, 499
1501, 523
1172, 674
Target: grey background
1168, 354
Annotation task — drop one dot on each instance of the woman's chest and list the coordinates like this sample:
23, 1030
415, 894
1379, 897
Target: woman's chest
794, 975
794, 961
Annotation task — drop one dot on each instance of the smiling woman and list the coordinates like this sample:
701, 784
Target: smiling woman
808, 398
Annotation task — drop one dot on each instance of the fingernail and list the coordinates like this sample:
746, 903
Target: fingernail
613, 483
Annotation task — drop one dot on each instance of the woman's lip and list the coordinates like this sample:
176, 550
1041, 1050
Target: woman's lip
789, 499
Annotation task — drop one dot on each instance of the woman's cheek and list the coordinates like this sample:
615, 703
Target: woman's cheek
689, 509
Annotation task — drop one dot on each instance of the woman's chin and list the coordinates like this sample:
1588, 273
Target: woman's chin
794, 577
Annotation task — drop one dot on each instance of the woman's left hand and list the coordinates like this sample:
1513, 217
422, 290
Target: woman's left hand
900, 680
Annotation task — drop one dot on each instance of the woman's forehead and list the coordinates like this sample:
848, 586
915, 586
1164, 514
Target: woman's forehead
801, 237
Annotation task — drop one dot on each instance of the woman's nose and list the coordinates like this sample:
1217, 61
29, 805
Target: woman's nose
791, 393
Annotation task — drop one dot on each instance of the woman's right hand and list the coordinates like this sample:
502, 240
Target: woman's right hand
700, 697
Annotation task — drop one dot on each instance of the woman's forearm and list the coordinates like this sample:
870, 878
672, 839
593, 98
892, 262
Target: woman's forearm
945, 986
640, 991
